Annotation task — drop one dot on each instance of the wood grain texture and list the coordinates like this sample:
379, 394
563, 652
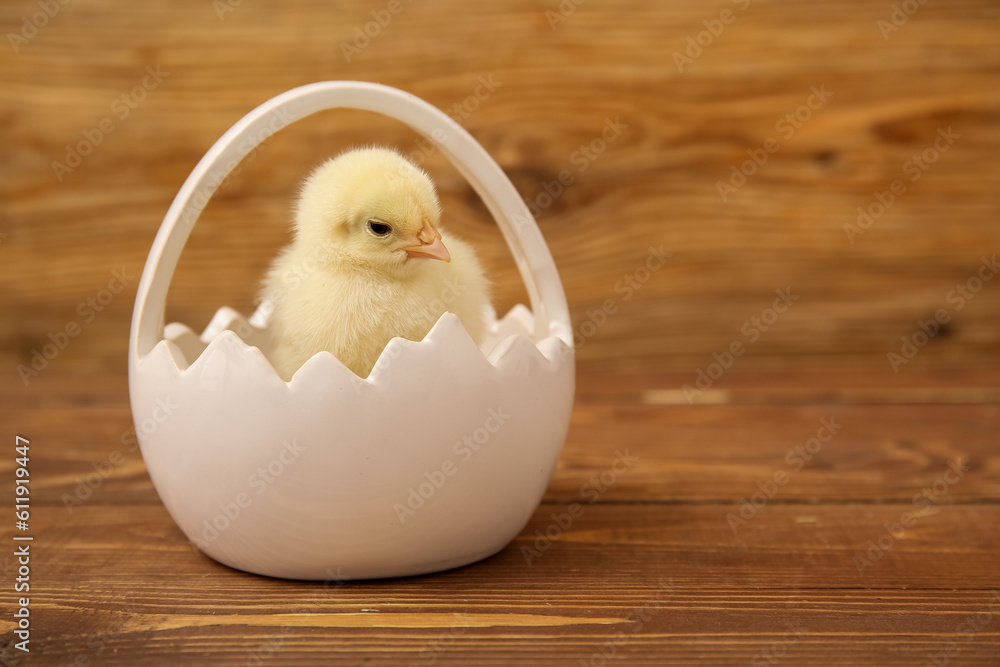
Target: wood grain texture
653, 572
912, 444
655, 184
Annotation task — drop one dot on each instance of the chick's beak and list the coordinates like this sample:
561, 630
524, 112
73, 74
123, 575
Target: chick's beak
430, 246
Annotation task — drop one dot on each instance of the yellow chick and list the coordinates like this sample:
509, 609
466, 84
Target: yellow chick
368, 263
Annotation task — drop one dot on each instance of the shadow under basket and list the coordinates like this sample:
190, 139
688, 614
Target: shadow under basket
436, 460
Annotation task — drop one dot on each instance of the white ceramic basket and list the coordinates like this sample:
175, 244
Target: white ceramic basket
436, 460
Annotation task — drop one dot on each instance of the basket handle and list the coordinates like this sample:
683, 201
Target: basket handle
534, 261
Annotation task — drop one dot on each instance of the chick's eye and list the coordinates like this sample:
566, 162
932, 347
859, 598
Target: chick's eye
379, 229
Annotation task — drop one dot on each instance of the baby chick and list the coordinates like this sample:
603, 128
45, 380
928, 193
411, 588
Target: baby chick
368, 263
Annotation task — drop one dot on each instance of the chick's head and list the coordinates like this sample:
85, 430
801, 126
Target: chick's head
370, 208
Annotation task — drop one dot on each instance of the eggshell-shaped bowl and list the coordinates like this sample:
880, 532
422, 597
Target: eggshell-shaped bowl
436, 460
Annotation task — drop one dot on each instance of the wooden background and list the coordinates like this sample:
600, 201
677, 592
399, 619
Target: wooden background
653, 570
654, 185
652, 573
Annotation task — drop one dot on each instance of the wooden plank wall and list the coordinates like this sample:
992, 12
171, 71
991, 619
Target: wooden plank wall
887, 92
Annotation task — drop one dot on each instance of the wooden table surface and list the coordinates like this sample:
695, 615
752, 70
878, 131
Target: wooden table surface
666, 565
